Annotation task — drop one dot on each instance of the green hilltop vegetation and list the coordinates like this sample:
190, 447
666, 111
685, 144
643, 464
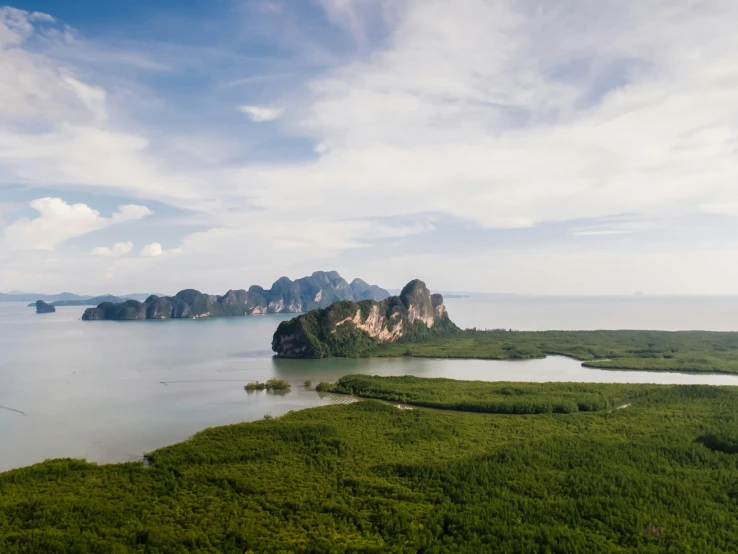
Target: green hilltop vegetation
660, 476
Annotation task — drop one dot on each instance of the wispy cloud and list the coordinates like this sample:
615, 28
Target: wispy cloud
118, 249
260, 114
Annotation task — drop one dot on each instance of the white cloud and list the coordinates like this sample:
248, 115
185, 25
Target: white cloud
55, 129
14, 26
261, 114
502, 114
59, 221
118, 249
709, 272
152, 250
40, 16
471, 111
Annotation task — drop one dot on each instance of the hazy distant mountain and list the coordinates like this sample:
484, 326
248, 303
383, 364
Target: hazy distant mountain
365, 291
32, 297
319, 290
86, 300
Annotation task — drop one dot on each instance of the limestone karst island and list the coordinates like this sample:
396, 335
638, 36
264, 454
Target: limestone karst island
321, 289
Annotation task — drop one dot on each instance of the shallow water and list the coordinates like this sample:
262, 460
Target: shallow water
110, 391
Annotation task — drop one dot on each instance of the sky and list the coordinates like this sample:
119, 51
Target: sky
512, 146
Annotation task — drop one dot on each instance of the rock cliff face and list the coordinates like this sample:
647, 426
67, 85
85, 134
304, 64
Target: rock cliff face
348, 329
44, 308
319, 290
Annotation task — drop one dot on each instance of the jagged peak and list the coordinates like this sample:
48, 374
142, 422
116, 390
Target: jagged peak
414, 293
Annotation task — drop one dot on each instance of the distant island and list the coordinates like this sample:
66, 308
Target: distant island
347, 329
44, 308
319, 290
93, 301
66, 297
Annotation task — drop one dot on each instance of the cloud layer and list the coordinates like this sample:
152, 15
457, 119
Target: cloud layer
118, 249
493, 115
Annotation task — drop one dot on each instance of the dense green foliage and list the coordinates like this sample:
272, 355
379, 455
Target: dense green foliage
696, 351
726, 441
367, 477
494, 398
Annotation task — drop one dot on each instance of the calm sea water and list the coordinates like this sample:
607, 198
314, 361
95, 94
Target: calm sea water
110, 391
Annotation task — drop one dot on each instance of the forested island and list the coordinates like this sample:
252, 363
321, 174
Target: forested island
657, 475
319, 290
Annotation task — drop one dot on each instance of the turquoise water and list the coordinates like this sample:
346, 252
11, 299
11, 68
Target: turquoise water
110, 391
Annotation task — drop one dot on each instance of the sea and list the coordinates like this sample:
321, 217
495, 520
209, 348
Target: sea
110, 391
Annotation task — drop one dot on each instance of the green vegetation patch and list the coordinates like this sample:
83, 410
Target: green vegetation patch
689, 351
367, 477
726, 441
278, 385
493, 398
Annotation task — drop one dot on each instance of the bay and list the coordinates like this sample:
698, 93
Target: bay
109, 391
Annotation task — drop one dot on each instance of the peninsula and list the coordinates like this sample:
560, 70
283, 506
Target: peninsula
500, 467
319, 290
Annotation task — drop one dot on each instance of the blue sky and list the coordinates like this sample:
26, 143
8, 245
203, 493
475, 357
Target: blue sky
489, 145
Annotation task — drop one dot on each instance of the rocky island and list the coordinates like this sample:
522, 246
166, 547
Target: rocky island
319, 290
44, 308
349, 329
